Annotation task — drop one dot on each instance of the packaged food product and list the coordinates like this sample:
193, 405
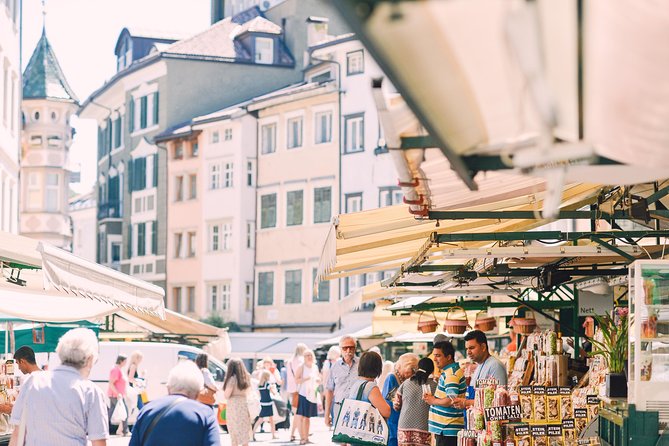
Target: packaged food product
551, 343
646, 364
514, 397
649, 327
524, 441
479, 419
540, 441
526, 406
553, 403
488, 396
501, 397
539, 402
555, 441
484, 439
495, 430
565, 407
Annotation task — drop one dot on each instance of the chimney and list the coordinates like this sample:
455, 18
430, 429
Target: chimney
317, 30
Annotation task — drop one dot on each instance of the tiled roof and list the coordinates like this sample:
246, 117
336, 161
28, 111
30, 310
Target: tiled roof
260, 25
43, 77
215, 41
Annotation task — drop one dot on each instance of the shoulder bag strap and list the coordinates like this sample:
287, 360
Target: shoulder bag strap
157, 418
361, 390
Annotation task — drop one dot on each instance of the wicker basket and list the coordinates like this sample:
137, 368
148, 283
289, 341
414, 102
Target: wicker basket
456, 324
427, 326
523, 325
484, 322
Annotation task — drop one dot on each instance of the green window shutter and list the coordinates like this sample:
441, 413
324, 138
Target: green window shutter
155, 170
155, 107
131, 185
117, 133
143, 105
129, 246
154, 236
294, 212
141, 239
131, 115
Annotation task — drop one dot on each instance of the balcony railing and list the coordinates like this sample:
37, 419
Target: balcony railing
109, 210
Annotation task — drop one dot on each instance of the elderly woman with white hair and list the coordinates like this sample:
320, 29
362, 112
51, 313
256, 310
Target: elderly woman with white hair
405, 367
177, 419
63, 406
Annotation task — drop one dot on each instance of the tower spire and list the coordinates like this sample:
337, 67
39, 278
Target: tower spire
43, 16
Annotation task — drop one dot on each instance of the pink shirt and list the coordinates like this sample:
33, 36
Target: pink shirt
116, 375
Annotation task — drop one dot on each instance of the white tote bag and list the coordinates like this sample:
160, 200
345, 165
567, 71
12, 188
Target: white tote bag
359, 422
253, 402
120, 413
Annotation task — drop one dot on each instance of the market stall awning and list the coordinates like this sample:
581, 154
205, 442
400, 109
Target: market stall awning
382, 239
502, 85
43, 283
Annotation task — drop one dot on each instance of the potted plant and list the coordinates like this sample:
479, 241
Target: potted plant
613, 346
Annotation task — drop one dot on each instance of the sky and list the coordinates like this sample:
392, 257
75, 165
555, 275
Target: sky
83, 34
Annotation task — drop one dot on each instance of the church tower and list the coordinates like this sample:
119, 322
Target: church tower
48, 103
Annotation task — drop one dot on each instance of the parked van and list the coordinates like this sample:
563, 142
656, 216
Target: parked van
159, 358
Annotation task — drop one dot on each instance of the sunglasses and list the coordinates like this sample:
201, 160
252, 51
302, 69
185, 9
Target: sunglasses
348, 347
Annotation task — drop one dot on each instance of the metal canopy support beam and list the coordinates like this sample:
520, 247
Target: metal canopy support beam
435, 268
658, 195
482, 305
545, 235
613, 248
530, 215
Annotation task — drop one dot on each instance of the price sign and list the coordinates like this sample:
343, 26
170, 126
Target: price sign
580, 413
538, 431
592, 400
468, 433
487, 382
526, 390
568, 423
521, 430
552, 391
503, 413
565, 391
555, 431
539, 390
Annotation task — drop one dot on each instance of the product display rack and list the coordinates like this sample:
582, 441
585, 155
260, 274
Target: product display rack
648, 359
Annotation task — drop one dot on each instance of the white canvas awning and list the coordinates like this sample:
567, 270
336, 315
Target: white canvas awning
40, 282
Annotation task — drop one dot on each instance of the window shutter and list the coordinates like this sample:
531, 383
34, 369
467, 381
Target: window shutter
155, 170
154, 235
143, 111
131, 115
129, 246
131, 184
155, 107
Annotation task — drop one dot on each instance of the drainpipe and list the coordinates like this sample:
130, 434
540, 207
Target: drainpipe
255, 236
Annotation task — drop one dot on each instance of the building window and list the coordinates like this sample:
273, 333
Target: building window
179, 151
390, 196
192, 189
34, 191
144, 111
227, 134
228, 169
323, 122
268, 211
215, 137
268, 139
294, 131
118, 132
353, 202
36, 140
294, 207
355, 62
250, 234
214, 176
248, 296
179, 188
115, 257
355, 134
224, 301
294, 286
250, 173
322, 204
178, 240
52, 192
194, 149
353, 283
213, 297
191, 244
214, 237
176, 295
264, 50
191, 299
266, 288
322, 294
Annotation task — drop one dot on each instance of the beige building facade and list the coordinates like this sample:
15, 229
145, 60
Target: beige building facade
298, 186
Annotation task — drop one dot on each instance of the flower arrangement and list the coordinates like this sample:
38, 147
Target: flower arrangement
614, 329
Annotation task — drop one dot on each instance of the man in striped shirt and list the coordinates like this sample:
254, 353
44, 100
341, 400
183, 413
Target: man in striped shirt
445, 421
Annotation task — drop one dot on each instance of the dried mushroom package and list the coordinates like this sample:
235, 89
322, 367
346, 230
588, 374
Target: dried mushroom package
565, 403
525, 397
539, 401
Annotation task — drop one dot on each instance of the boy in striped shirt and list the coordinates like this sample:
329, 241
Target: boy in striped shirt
445, 421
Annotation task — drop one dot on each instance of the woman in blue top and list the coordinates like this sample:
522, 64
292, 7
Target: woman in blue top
405, 367
369, 368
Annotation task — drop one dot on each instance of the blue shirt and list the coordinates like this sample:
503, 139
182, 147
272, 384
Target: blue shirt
187, 423
341, 378
61, 409
393, 421
491, 368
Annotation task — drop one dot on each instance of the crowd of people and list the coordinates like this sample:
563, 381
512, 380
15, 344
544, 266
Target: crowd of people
422, 400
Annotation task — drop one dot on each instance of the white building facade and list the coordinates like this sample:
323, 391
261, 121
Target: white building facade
83, 214
10, 106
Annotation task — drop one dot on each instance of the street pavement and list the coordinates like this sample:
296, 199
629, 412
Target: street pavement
320, 436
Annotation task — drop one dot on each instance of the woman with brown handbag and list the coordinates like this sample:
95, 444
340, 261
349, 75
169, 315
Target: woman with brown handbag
208, 393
